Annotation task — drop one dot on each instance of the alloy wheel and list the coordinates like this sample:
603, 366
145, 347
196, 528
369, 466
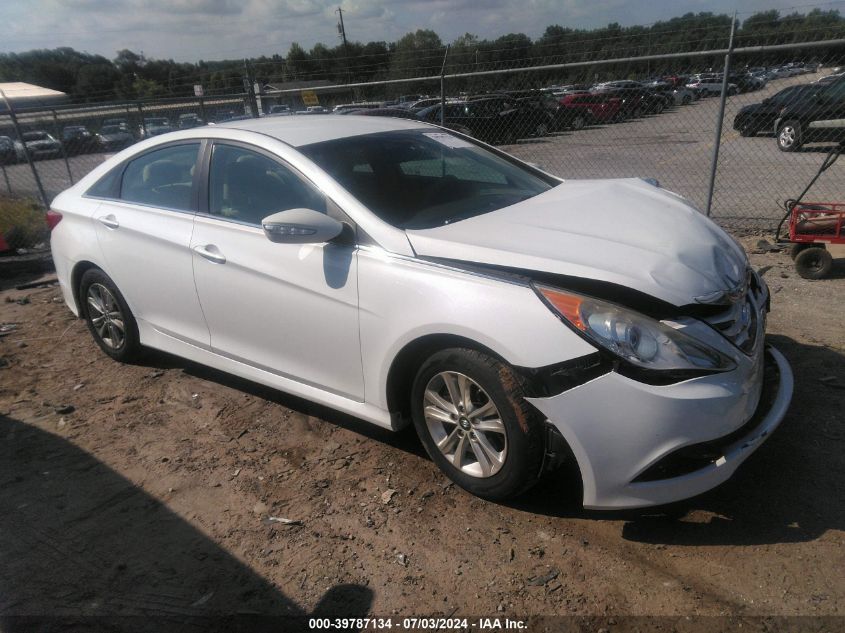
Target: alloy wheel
106, 316
787, 136
465, 424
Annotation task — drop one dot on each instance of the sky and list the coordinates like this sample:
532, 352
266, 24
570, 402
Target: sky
190, 30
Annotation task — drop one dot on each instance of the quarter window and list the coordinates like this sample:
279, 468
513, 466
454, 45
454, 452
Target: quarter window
246, 186
162, 178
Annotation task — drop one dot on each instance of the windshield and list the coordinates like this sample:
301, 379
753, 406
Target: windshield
36, 136
111, 129
420, 179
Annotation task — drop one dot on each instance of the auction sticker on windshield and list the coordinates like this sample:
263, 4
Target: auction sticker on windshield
448, 140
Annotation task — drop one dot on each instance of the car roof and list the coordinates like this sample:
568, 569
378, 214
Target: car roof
299, 131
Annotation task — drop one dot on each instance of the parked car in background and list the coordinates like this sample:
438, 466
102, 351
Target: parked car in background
635, 102
711, 84
77, 139
280, 108
402, 113
684, 96
616, 85
746, 82
189, 120
402, 274
396, 113
603, 107
367, 105
785, 71
675, 96
492, 119
416, 106
818, 115
676, 80
120, 122
760, 117
40, 144
8, 155
154, 126
829, 79
112, 138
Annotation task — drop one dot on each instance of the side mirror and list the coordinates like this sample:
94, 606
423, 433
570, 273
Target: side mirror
301, 226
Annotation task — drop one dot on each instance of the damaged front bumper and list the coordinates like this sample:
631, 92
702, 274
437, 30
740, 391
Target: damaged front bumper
640, 445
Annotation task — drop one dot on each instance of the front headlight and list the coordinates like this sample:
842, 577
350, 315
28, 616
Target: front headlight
640, 340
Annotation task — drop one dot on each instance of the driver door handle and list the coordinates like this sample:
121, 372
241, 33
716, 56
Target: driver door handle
210, 252
109, 221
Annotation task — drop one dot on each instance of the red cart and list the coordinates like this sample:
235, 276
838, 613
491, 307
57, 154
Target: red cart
812, 226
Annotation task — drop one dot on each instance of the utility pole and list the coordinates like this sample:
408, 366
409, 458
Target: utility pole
342, 30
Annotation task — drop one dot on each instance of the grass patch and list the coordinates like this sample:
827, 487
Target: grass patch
22, 222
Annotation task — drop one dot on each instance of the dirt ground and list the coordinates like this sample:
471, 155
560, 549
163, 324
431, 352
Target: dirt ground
159, 489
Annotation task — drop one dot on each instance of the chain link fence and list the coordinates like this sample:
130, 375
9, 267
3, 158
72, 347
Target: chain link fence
656, 116
43, 152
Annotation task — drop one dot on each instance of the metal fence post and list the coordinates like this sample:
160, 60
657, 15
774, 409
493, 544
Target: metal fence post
202, 110
718, 140
443, 88
26, 153
62, 144
141, 116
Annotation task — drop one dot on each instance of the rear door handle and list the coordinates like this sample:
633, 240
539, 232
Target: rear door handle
109, 221
210, 252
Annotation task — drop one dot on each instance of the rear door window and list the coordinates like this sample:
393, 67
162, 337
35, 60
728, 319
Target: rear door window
162, 178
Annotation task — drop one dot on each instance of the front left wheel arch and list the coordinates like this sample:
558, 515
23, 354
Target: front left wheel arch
406, 363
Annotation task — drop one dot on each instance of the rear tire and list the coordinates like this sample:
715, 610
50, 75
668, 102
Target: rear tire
108, 317
814, 263
790, 136
470, 413
579, 122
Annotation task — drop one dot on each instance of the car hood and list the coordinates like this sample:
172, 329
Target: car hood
623, 231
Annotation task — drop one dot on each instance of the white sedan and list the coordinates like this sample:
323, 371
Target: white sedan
707, 86
400, 272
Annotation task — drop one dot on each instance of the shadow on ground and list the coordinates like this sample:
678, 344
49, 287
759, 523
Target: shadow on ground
83, 548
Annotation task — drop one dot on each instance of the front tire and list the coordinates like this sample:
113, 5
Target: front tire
470, 413
108, 317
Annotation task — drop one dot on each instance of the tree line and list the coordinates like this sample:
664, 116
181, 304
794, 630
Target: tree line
94, 78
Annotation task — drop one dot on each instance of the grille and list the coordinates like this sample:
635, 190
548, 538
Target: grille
740, 321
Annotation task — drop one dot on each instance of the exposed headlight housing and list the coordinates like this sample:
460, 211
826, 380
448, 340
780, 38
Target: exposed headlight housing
633, 337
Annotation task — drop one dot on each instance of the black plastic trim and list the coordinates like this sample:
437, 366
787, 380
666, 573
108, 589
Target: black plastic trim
551, 380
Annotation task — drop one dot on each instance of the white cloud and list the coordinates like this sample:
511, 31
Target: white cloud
215, 29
